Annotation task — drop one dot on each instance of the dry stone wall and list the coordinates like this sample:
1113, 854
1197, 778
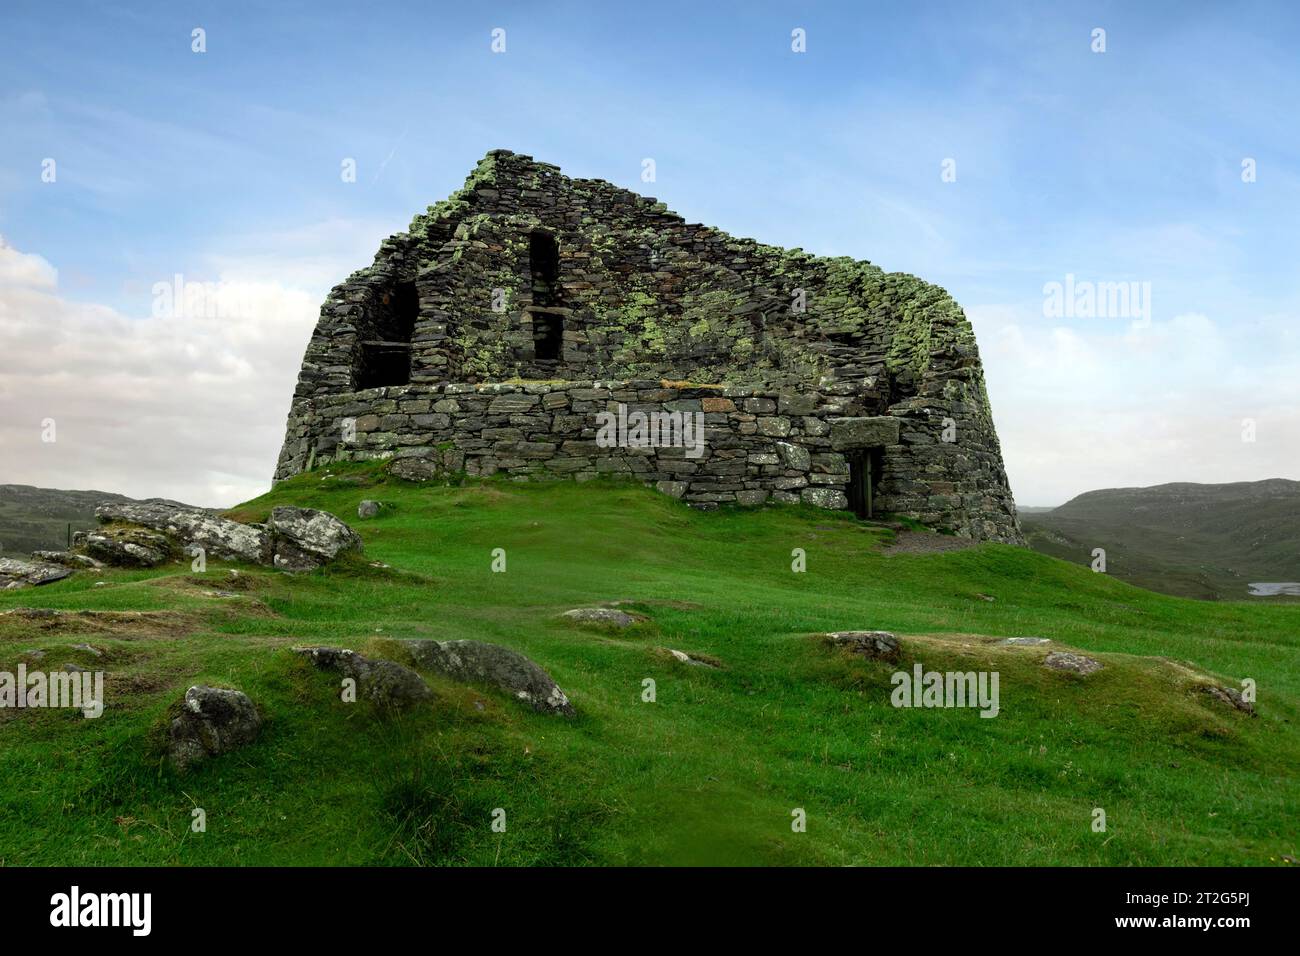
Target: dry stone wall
489, 337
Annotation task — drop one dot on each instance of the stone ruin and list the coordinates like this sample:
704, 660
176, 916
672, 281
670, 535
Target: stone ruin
492, 337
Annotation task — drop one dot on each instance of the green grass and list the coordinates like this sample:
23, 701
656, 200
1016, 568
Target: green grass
708, 773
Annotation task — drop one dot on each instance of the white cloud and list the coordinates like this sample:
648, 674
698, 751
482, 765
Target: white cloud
187, 407
1104, 405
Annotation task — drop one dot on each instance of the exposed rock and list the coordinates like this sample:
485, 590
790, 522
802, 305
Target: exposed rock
128, 547
219, 537
878, 645
367, 509
69, 559
493, 664
1230, 696
305, 538
1025, 641
20, 574
294, 539
88, 649
608, 616
1073, 663
687, 659
213, 721
386, 684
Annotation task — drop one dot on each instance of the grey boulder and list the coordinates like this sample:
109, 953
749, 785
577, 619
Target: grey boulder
304, 538
69, 559
386, 684
20, 574
218, 537
128, 547
213, 721
367, 509
493, 664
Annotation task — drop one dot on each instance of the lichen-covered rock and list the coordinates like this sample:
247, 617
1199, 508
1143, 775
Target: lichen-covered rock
386, 684
15, 573
493, 664
213, 721
866, 432
877, 645
219, 537
128, 547
606, 616
1071, 663
1230, 696
69, 559
367, 509
304, 538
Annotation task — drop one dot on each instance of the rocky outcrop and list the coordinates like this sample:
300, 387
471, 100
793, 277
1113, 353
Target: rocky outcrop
219, 537
1230, 696
877, 645
1071, 663
304, 538
213, 721
15, 573
386, 684
493, 664
293, 539
603, 616
69, 559
128, 547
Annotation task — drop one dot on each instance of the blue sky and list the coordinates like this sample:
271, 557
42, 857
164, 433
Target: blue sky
1122, 166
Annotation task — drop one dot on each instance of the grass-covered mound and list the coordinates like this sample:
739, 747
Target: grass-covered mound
711, 771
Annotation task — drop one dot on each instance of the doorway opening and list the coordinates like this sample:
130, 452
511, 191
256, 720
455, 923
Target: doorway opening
864, 479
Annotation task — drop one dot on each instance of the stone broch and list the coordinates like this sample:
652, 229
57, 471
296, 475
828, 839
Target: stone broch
487, 338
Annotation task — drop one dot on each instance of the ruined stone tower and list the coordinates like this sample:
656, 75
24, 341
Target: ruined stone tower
491, 337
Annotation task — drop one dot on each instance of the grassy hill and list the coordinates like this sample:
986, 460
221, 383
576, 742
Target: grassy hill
1194, 540
708, 773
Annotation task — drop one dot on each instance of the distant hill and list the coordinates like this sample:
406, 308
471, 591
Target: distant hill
34, 519
1203, 541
